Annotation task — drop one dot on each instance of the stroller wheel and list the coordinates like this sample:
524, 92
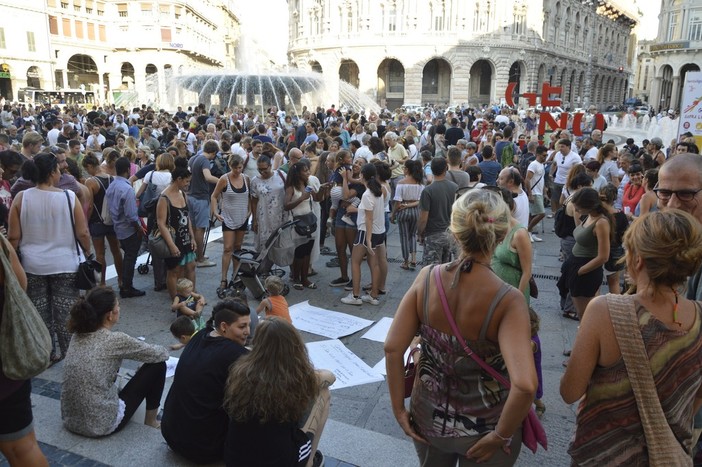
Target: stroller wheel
143, 269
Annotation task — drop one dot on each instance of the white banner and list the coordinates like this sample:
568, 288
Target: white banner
327, 323
691, 107
349, 370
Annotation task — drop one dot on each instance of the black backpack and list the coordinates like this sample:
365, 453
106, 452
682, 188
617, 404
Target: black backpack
524, 162
563, 224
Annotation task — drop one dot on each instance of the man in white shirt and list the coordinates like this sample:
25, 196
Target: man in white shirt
563, 160
95, 140
53, 134
119, 123
510, 179
363, 151
590, 150
535, 183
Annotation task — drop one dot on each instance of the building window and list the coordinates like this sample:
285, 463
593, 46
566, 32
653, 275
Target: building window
66, 27
146, 8
645, 80
695, 29
2, 39
100, 9
673, 26
392, 19
101, 33
64, 5
53, 25
165, 11
79, 29
122, 10
31, 45
396, 77
91, 31
166, 35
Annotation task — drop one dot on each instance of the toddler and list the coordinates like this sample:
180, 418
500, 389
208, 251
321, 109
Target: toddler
536, 346
188, 303
183, 330
275, 304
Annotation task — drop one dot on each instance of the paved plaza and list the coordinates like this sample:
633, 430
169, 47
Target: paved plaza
361, 429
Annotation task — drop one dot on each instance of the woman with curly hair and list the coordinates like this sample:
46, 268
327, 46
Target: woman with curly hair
275, 398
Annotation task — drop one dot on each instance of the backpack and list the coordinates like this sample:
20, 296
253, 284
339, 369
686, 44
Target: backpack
104, 211
508, 155
148, 199
218, 166
563, 224
524, 162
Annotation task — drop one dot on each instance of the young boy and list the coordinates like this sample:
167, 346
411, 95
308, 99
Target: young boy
182, 329
275, 304
188, 303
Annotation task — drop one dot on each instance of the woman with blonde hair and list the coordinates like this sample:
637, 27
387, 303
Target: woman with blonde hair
131, 143
662, 250
275, 398
493, 317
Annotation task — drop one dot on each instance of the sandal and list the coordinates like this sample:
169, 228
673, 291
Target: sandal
310, 285
571, 315
405, 266
413, 265
540, 408
298, 286
222, 288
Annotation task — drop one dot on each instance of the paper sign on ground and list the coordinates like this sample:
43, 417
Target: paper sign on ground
327, 323
171, 365
379, 332
380, 366
349, 370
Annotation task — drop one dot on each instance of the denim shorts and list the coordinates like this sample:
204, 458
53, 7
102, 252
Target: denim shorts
199, 210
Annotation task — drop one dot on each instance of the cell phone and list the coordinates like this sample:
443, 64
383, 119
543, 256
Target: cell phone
308, 189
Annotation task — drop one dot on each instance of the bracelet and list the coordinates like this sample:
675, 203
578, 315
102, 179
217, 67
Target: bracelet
507, 441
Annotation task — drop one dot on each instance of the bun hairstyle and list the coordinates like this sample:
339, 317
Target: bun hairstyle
88, 313
608, 194
40, 168
479, 221
656, 236
180, 169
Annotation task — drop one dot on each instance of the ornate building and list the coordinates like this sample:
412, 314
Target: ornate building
663, 62
462, 51
123, 50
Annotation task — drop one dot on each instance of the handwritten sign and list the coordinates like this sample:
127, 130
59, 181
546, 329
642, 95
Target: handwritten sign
349, 370
327, 323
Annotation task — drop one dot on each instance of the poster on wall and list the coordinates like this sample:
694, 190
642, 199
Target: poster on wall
691, 108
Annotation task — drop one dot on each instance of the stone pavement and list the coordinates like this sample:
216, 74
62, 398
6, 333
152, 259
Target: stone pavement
361, 430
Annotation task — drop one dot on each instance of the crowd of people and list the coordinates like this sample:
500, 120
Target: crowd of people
470, 187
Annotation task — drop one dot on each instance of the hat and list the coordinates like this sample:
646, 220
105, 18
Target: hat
593, 165
657, 142
671, 111
579, 138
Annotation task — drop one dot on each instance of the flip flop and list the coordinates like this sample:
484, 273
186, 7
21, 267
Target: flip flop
298, 287
571, 315
311, 285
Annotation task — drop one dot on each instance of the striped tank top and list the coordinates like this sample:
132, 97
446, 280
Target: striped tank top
235, 204
608, 429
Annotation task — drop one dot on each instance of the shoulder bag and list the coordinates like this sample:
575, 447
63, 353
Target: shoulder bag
663, 447
89, 271
412, 360
306, 224
25, 342
157, 244
533, 432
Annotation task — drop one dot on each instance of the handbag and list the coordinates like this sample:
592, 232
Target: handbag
158, 247
533, 432
25, 342
306, 224
533, 288
663, 447
89, 270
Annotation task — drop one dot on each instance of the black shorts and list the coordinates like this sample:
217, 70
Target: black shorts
376, 239
586, 285
304, 250
98, 229
16, 414
242, 228
612, 266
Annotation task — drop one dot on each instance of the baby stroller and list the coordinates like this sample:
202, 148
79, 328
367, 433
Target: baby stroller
253, 267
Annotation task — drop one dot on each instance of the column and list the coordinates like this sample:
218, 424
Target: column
413, 85
101, 86
654, 98
64, 78
675, 94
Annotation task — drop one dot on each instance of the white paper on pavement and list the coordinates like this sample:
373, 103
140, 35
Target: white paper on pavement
380, 366
349, 370
171, 365
379, 332
327, 323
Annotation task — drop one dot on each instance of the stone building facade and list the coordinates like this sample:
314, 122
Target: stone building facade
677, 49
125, 51
467, 51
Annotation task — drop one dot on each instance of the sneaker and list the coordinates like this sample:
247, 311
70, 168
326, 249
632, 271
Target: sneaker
369, 299
349, 285
534, 238
351, 300
333, 263
318, 460
348, 220
339, 282
206, 263
368, 287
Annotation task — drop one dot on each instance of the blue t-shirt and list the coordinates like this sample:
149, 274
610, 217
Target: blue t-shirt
491, 169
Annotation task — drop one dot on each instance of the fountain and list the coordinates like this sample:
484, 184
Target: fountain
285, 90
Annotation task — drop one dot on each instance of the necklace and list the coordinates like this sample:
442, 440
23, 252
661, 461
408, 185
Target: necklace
675, 310
632, 194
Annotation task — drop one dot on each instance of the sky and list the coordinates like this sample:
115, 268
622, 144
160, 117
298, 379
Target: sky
275, 17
